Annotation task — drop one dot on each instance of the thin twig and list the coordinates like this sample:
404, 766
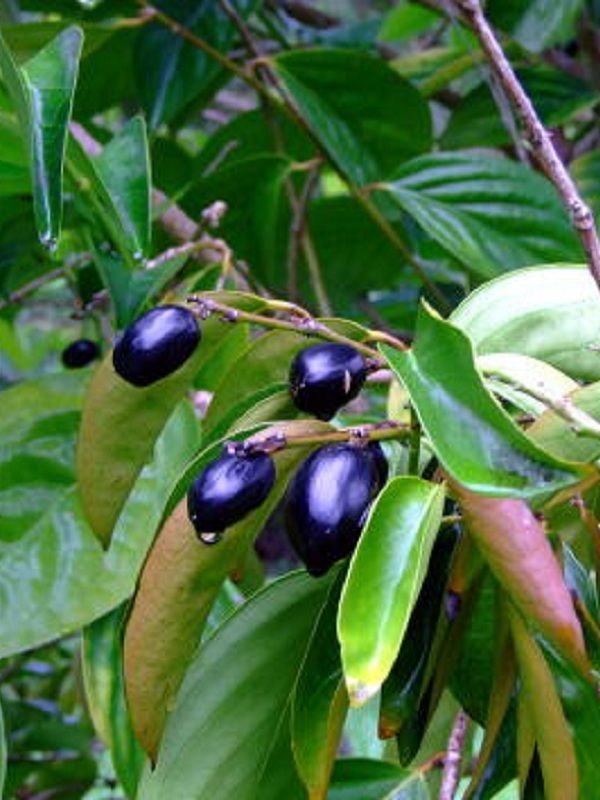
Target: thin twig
539, 138
28, 288
305, 325
451, 774
376, 432
297, 228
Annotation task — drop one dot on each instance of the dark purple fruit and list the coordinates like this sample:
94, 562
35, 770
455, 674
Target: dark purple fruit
381, 462
80, 353
327, 504
325, 377
156, 344
228, 489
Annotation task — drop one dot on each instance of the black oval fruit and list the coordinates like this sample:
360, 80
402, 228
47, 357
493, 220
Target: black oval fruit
156, 344
324, 377
327, 504
381, 462
80, 353
228, 489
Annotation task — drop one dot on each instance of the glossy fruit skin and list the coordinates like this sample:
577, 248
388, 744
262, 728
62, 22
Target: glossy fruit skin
327, 503
381, 462
324, 377
156, 344
228, 489
79, 353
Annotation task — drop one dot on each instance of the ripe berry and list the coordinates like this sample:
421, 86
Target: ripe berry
381, 463
228, 489
80, 353
325, 377
156, 344
328, 502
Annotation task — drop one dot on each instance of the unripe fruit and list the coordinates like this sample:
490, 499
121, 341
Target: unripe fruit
80, 353
228, 489
328, 502
325, 377
156, 344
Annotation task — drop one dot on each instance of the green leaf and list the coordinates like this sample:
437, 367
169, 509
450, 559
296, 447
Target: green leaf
517, 549
57, 555
586, 172
366, 779
3, 753
579, 698
241, 680
119, 426
123, 166
554, 741
177, 588
320, 702
105, 696
42, 91
557, 436
365, 116
518, 313
476, 121
252, 189
489, 213
116, 184
171, 73
385, 576
474, 438
537, 24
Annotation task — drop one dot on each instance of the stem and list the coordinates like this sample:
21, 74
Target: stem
414, 452
451, 774
543, 149
364, 433
305, 325
580, 421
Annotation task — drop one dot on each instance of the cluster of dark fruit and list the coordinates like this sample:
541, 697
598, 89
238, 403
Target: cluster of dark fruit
330, 496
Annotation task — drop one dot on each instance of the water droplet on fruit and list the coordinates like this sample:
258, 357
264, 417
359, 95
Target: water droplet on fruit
210, 538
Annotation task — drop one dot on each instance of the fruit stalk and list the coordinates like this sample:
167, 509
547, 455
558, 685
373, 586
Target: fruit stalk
297, 323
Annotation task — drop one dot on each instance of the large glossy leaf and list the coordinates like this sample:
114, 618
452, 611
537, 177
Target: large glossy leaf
171, 73
515, 545
489, 213
386, 573
241, 680
58, 556
401, 693
475, 440
320, 702
42, 91
365, 116
105, 696
579, 699
518, 313
555, 745
180, 581
119, 426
